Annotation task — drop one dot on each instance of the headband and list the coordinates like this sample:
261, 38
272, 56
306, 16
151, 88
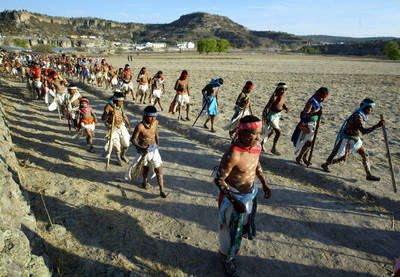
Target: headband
150, 114
250, 86
118, 98
84, 99
71, 88
185, 75
364, 104
250, 126
282, 86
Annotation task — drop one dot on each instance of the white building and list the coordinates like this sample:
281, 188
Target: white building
186, 45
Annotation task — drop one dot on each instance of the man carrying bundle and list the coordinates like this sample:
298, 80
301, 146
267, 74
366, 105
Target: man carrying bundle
304, 133
115, 118
145, 138
237, 199
272, 114
210, 101
242, 108
349, 138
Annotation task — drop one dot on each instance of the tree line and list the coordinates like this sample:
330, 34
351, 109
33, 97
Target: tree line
209, 45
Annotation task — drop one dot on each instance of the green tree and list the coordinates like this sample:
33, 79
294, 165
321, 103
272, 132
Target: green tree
211, 45
119, 50
201, 46
391, 49
43, 48
284, 48
24, 43
222, 45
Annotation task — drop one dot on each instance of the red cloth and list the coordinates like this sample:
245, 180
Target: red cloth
238, 146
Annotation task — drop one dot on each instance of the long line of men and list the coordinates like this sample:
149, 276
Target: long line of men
240, 164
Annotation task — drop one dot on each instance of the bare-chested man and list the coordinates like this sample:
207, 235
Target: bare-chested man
158, 88
145, 138
349, 138
87, 121
235, 180
182, 95
271, 115
242, 108
126, 77
120, 137
304, 133
143, 80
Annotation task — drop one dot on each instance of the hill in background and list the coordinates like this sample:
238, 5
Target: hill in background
190, 27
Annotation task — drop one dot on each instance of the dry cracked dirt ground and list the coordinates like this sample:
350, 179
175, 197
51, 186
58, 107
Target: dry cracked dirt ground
104, 226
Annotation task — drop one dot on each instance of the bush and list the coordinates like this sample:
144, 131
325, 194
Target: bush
43, 48
119, 50
222, 45
24, 43
209, 45
391, 49
310, 50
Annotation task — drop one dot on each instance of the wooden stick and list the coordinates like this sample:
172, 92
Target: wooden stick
313, 141
45, 208
389, 157
110, 139
202, 109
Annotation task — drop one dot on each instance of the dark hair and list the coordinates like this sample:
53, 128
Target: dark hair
367, 101
220, 80
159, 72
249, 119
248, 83
150, 109
323, 90
184, 72
126, 65
118, 95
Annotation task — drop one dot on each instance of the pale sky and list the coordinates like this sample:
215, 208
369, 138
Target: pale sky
356, 18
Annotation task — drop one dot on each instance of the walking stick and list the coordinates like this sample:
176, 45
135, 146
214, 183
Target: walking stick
202, 109
313, 141
110, 140
389, 157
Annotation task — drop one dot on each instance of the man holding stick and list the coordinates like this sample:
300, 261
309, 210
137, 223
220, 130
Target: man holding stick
118, 135
304, 133
210, 101
145, 139
349, 138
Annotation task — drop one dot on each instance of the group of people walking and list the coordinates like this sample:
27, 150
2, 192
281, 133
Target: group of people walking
47, 77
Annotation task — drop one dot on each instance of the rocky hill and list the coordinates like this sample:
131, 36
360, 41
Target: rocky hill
337, 39
188, 27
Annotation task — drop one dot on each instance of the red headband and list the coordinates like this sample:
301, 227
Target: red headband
250, 126
84, 99
324, 95
185, 75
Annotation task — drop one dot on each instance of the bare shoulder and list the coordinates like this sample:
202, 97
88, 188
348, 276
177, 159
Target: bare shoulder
231, 156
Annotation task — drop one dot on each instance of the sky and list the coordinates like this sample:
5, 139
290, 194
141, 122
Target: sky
355, 18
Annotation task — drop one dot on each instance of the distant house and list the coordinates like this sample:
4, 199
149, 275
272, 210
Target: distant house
186, 45
159, 45
83, 36
92, 37
73, 36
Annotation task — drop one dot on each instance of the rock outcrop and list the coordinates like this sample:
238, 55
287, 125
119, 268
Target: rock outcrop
16, 258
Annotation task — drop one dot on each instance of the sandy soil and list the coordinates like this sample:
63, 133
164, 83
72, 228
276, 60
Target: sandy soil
104, 226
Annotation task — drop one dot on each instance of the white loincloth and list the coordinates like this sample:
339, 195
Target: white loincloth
157, 93
143, 88
303, 137
152, 160
114, 81
234, 122
120, 137
269, 123
348, 146
126, 87
37, 84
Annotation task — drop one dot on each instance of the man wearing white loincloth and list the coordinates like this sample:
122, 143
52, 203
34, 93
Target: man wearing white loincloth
242, 108
181, 99
143, 80
120, 136
349, 138
71, 103
127, 84
145, 138
272, 114
158, 88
